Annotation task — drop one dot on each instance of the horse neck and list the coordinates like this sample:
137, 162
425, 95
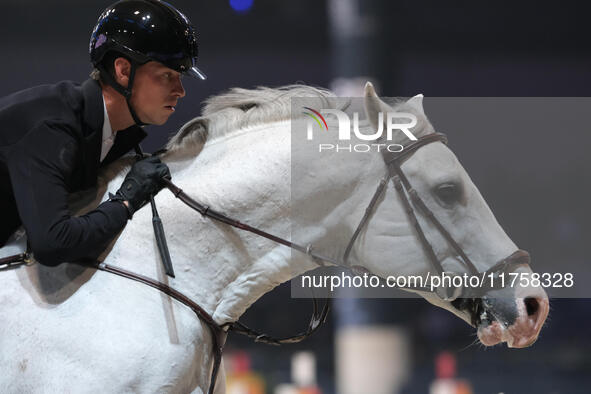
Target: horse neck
222, 268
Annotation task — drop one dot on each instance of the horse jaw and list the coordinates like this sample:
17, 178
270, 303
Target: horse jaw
277, 266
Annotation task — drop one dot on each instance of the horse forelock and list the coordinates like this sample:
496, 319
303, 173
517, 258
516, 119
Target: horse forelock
239, 109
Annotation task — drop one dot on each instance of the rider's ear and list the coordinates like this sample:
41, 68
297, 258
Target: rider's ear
373, 106
122, 70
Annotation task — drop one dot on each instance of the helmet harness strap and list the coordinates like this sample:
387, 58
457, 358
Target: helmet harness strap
124, 91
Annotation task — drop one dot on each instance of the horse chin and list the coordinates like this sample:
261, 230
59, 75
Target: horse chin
493, 334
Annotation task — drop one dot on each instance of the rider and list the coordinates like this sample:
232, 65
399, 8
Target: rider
54, 138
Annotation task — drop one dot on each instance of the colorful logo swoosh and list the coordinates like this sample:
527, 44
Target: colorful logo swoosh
317, 117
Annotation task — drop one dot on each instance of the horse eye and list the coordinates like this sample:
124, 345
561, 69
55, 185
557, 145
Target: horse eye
449, 193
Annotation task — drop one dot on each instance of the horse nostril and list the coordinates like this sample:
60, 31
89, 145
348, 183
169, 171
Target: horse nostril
531, 305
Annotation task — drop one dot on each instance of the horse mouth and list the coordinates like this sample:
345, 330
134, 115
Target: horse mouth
492, 328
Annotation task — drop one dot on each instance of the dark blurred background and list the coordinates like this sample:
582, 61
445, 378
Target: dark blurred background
538, 193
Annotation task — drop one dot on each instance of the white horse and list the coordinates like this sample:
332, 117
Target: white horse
74, 329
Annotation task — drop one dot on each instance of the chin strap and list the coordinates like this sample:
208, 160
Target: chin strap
124, 91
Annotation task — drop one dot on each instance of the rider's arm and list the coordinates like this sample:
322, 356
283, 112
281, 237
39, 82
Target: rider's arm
40, 168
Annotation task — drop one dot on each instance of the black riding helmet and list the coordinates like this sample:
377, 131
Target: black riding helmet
141, 31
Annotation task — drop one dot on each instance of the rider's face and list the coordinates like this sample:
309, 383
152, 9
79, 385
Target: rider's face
156, 91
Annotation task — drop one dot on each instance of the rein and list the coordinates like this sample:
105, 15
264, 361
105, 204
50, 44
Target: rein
218, 331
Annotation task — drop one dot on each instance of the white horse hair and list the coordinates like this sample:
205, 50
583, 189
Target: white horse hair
70, 329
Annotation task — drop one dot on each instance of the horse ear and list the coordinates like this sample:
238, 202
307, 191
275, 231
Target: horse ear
416, 103
196, 128
374, 105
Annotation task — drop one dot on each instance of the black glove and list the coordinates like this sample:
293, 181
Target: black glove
143, 180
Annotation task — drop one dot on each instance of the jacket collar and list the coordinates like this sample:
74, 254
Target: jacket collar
125, 140
92, 130
92, 115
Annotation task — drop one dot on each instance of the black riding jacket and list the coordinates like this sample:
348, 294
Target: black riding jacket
50, 144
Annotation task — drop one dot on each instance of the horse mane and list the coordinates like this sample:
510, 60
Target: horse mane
240, 108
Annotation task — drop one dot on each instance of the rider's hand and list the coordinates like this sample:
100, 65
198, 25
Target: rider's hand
144, 179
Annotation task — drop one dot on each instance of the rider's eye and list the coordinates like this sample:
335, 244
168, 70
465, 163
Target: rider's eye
449, 193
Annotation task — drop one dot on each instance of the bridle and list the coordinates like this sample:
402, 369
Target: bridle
409, 198
408, 194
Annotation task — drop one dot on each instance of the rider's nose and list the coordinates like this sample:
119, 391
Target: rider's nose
179, 90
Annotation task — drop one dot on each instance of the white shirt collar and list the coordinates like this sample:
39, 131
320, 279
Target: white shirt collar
108, 134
